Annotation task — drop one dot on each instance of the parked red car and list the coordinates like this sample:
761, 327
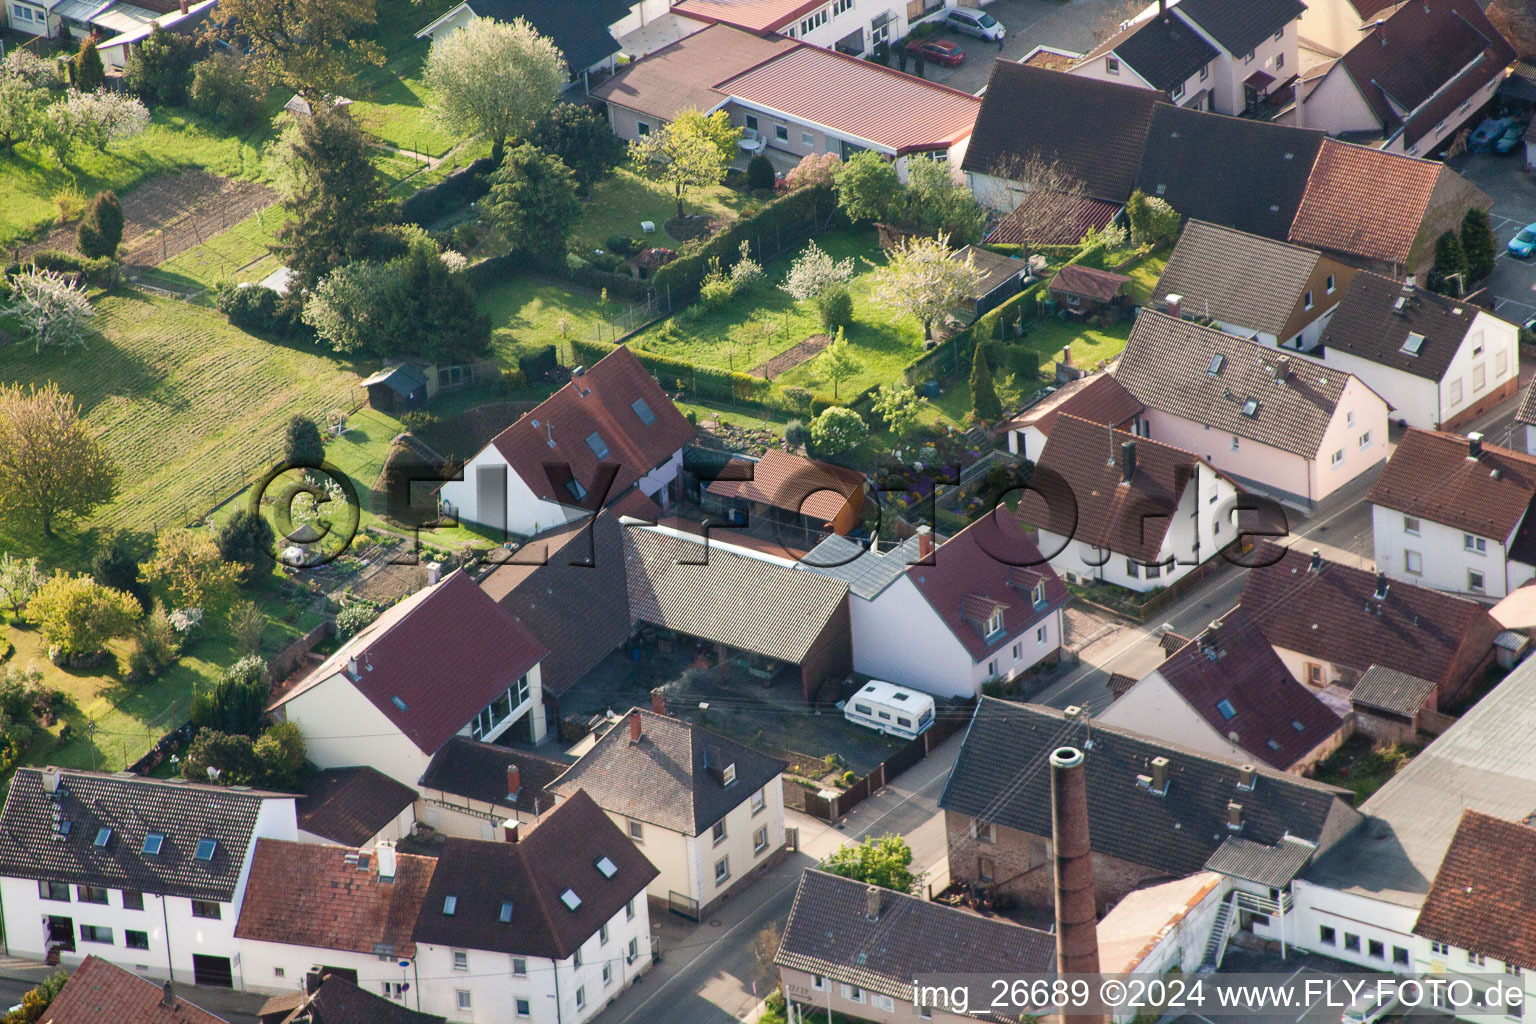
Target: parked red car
936, 51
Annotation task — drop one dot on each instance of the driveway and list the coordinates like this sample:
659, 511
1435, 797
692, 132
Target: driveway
1513, 191
1030, 23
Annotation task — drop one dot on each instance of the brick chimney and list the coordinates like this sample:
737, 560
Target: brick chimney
924, 542
1066, 355
1077, 940
1127, 462
312, 979
1247, 775
514, 780
658, 702
1173, 304
634, 727
167, 991
872, 903
1234, 815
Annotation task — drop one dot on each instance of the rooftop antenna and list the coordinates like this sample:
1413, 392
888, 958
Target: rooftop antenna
549, 430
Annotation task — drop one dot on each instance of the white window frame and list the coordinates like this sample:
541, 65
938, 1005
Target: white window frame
1411, 525
1413, 563
723, 870
1112, 64
462, 998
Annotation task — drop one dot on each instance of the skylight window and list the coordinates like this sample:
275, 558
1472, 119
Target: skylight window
643, 411
1251, 408
607, 867
153, 842
1217, 361
595, 442
570, 899
574, 486
450, 904
206, 849
397, 702
1298, 726
1273, 745
65, 827
1415, 343
1227, 710
505, 916
103, 837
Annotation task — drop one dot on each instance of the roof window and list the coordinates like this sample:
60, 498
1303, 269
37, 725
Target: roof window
643, 411
1251, 408
505, 916
399, 703
1217, 361
595, 442
1227, 710
153, 842
570, 899
1415, 343
206, 849
450, 904
103, 837
606, 866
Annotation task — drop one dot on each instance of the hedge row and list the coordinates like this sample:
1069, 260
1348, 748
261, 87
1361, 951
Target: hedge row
1020, 308
61, 262
460, 188
798, 212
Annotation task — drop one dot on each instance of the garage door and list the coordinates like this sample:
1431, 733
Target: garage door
212, 970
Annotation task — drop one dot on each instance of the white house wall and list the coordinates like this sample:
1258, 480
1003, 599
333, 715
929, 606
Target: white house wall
899, 638
341, 728
1335, 104
1317, 907
527, 513
1155, 708
1358, 430
1443, 555
1415, 400
277, 967
1032, 648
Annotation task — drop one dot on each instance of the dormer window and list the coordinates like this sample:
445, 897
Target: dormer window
571, 900
1039, 594
728, 775
995, 622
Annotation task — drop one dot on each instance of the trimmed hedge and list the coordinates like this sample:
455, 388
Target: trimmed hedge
796, 212
537, 363
62, 262
1018, 308
625, 286
460, 188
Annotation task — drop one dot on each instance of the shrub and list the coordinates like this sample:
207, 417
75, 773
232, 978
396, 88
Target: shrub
302, 445
797, 434
226, 758
760, 173
160, 67
101, 227
716, 292
354, 617
797, 398
280, 754
818, 169
250, 307
623, 245
236, 702
417, 419
513, 379
838, 430
835, 306
247, 540
70, 202
223, 88
157, 645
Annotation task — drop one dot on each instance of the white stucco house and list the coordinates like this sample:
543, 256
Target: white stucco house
1274, 422
1098, 398
553, 465
1453, 513
1439, 361
389, 698
1116, 508
707, 811
946, 618
854, 27
147, 873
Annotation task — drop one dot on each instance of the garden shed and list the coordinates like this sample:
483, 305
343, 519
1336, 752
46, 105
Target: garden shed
1081, 289
398, 388
1002, 277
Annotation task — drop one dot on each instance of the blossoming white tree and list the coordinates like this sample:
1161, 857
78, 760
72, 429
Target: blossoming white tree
52, 308
813, 272
924, 280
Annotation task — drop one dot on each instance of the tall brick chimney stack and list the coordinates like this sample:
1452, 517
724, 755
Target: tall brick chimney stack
1077, 937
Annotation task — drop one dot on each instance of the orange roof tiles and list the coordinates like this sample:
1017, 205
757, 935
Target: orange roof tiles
1364, 202
103, 993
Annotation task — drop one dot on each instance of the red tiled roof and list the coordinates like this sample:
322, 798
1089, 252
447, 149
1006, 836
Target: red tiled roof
1128, 519
681, 76
1100, 398
803, 486
1430, 476
600, 402
1248, 676
1364, 202
1484, 895
976, 571
1053, 218
858, 98
1089, 282
1330, 615
100, 992
444, 653
752, 15
328, 897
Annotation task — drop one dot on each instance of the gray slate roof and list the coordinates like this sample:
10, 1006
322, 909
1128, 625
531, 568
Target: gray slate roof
1273, 866
1387, 689
1237, 278
184, 813
1162, 50
1240, 27
1485, 762
725, 598
672, 777
828, 933
866, 572
1166, 363
1368, 324
478, 771
1001, 777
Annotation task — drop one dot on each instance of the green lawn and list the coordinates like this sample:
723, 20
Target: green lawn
754, 327
189, 407
526, 313
393, 104
618, 204
238, 254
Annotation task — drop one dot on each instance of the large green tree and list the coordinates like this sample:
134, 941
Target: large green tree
1448, 276
78, 616
336, 205
101, 228
160, 68
985, 405
693, 151
581, 136
923, 278
533, 202
314, 47
937, 204
868, 187
494, 79
885, 861
51, 466
85, 69
1478, 244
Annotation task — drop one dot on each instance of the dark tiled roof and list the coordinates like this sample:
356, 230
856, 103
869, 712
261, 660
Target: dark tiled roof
1368, 324
568, 588
351, 805
1098, 398
1387, 689
561, 853
723, 600
1240, 27
803, 486
132, 807
1094, 130
1527, 411
1484, 895
600, 401
1330, 615
478, 771
331, 897
1272, 866
866, 572
1163, 51
1166, 365
1089, 282
1237, 278
1098, 510
1053, 218
338, 1001
1242, 173
996, 270
1400, 64
1430, 476
829, 933
671, 778
1274, 717
100, 992
580, 30
1364, 202
403, 659
989, 564
1001, 777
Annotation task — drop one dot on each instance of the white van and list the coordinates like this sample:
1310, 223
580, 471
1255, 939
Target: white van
893, 710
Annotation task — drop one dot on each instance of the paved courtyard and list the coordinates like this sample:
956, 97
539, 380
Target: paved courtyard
1071, 25
1513, 190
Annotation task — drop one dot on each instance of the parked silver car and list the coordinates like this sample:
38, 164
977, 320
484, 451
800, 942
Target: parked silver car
971, 22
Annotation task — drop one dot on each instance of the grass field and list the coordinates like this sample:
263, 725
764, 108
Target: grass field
394, 103
526, 313
618, 204
238, 254
188, 406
